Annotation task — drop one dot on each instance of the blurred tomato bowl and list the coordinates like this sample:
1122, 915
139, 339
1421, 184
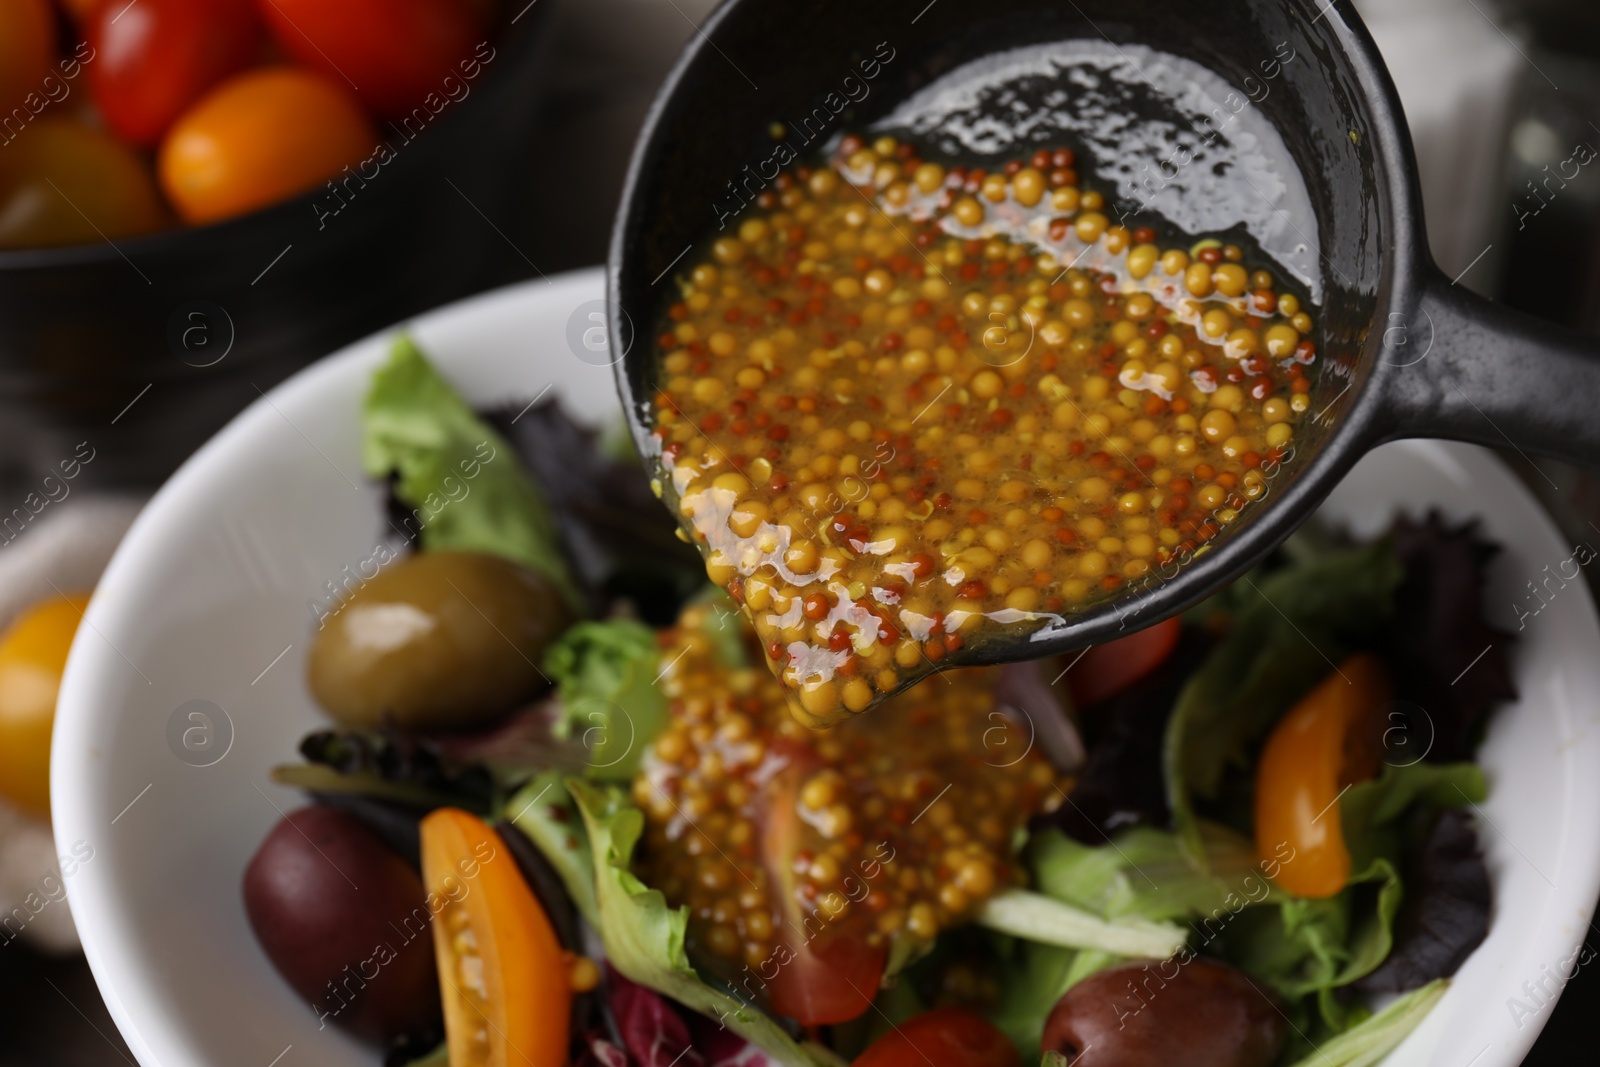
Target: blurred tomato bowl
198, 197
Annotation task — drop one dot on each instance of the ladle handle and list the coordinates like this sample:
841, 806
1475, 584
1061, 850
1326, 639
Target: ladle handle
1469, 369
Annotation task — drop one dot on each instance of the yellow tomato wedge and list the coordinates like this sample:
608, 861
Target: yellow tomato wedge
505, 981
33, 652
1324, 744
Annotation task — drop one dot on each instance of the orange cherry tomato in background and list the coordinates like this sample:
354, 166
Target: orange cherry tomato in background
1325, 743
1106, 670
505, 981
63, 183
33, 652
154, 58
949, 1037
258, 138
392, 52
833, 977
27, 49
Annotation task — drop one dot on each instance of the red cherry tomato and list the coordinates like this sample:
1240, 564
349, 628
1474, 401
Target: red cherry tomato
1106, 670
392, 52
156, 57
830, 981
27, 50
830, 977
949, 1037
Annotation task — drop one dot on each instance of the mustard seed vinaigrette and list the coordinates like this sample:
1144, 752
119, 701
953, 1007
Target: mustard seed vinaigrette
901, 405
798, 850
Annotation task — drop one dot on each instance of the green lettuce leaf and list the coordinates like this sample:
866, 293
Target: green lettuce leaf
1039, 917
1145, 874
644, 939
1032, 979
1371, 813
467, 490
1306, 947
605, 674
1288, 630
545, 812
1371, 1040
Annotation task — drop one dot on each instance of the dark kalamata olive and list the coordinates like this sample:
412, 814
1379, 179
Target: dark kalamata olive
437, 641
1150, 1013
346, 922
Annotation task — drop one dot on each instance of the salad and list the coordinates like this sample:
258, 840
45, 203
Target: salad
564, 814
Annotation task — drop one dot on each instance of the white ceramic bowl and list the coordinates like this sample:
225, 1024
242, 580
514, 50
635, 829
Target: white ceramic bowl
207, 600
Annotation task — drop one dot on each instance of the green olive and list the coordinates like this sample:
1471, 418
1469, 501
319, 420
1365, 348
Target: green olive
437, 641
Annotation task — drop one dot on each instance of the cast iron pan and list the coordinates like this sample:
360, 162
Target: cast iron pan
1405, 352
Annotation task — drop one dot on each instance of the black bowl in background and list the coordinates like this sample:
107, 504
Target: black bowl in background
136, 352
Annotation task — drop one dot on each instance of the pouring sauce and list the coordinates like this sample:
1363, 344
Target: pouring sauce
906, 406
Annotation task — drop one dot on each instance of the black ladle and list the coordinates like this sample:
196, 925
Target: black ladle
1405, 352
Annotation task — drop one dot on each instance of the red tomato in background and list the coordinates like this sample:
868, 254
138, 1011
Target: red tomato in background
393, 52
948, 1037
1106, 670
27, 49
154, 58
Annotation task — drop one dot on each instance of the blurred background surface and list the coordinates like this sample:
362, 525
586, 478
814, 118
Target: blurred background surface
1494, 92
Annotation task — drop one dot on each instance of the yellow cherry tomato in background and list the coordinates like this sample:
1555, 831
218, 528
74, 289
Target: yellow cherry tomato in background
27, 50
1325, 743
505, 981
33, 651
261, 137
62, 183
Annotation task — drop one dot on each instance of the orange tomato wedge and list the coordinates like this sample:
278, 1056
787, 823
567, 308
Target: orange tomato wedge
1323, 745
504, 979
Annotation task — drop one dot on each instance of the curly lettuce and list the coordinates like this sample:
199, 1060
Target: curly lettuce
462, 481
605, 674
